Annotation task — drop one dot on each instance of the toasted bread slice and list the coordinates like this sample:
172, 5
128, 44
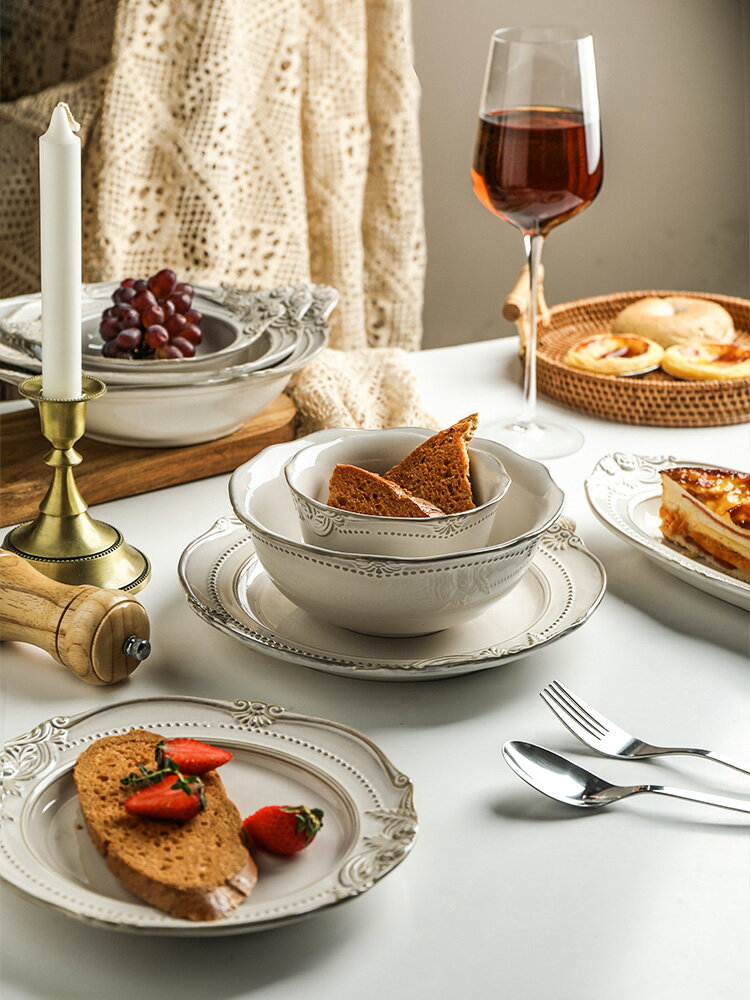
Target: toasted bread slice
198, 870
438, 469
363, 492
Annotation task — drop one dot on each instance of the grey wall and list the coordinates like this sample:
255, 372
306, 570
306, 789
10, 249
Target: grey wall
673, 210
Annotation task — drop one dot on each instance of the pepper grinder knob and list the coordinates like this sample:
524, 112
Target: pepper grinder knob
101, 635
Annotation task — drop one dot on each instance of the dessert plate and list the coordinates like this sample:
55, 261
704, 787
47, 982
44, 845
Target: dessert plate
369, 821
624, 492
227, 587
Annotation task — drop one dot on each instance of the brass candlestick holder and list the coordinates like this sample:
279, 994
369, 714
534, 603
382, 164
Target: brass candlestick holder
64, 542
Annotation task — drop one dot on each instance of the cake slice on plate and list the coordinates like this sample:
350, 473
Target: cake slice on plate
706, 513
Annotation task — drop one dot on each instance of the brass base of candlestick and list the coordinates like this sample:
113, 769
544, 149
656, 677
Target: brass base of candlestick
64, 542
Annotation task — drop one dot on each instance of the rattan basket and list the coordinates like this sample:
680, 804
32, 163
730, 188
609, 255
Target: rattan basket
654, 398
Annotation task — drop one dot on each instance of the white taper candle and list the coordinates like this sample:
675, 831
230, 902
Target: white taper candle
60, 230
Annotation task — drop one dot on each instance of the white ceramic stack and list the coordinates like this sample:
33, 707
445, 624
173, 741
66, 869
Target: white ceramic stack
391, 576
253, 342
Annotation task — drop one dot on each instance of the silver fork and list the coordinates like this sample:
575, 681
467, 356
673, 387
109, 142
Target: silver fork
606, 738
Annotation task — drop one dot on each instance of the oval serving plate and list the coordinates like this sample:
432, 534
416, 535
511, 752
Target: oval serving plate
233, 320
369, 825
624, 491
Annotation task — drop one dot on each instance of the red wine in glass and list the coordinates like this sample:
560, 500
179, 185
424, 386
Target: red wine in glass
536, 167
537, 163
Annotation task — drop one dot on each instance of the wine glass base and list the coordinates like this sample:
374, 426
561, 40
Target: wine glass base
536, 439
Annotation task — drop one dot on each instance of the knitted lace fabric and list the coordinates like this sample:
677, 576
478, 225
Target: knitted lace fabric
364, 388
252, 142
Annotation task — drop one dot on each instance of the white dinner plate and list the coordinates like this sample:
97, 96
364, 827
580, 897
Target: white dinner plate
280, 757
227, 587
624, 492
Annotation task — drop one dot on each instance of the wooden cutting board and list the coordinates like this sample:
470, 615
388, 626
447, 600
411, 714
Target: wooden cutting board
109, 472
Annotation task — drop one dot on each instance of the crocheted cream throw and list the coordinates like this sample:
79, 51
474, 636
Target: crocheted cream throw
251, 142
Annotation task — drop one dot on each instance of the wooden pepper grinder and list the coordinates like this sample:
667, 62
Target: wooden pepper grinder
516, 305
101, 635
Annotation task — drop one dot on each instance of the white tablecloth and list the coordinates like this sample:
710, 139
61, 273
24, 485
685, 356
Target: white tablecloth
504, 890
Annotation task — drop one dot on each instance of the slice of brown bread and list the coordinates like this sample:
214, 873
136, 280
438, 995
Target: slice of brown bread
363, 492
438, 469
199, 870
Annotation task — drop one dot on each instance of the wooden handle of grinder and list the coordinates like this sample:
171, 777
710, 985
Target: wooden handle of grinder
516, 303
101, 635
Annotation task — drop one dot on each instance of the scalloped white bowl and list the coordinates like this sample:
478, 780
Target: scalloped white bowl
309, 471
388, 595
168, 416
194, 405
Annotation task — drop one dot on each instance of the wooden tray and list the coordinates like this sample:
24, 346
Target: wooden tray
655, 398
110, 472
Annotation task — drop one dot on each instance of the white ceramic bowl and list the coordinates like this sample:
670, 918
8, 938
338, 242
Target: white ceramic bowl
232, 320
168, 416
273, 346
309, 471
386, 595
171, 416
143, 412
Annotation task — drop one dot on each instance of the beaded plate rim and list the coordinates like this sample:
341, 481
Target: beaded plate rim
378, 795
558, 547
617, 483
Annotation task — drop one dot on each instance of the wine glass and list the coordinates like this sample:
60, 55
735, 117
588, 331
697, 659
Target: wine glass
537, 163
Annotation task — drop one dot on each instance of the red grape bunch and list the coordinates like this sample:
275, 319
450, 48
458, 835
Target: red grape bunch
151, 318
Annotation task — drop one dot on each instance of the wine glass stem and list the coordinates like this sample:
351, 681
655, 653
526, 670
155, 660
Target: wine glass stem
533, 246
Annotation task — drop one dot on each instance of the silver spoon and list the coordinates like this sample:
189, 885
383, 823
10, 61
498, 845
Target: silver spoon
561, 779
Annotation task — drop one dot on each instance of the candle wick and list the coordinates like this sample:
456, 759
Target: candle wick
71, 120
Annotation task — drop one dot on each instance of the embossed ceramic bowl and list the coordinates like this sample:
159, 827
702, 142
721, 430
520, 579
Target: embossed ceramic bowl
173, 415
308, 473
389, 595
233, 324
173, 410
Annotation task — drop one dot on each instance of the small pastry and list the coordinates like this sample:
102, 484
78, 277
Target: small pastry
615, 355
676, 320
706, 513
707, 361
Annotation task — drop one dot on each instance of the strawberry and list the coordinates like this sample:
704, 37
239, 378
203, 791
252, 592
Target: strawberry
191, 756
172, 797
283, 829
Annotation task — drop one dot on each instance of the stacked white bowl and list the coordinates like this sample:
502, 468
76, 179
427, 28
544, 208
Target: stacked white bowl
391, 576
252, 344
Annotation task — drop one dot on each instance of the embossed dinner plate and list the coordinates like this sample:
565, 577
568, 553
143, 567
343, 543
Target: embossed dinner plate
624, 491
279, 757
233, 323
227, 587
